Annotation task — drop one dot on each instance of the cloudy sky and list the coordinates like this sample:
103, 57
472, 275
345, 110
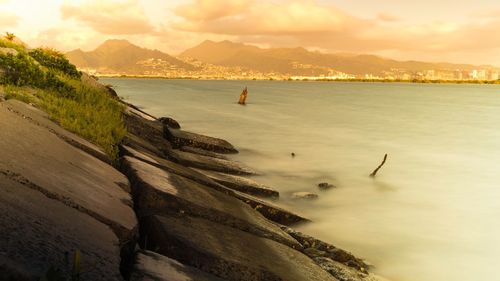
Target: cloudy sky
431, 30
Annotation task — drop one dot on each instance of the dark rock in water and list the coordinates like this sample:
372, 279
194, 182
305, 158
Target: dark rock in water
151, 266
157, 191
180, 138
242, 184
169, 122
227, 252
340, 271
293, 154
325, 186
304, 196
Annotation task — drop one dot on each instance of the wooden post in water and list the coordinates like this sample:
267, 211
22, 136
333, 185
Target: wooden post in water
243, 96
374, 173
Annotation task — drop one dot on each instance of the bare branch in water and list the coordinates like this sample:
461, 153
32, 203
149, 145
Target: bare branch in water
374, 173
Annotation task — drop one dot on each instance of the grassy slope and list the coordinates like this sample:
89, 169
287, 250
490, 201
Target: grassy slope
45, 78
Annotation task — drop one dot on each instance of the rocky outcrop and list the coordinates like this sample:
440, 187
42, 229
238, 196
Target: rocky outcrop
157, 191
169, 122
8, 51
267, 209
58, 198
303, 195
227, 252
180, 138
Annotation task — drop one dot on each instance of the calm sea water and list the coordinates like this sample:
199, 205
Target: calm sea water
431, 214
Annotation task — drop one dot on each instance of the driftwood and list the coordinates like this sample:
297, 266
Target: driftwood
243, 96
374, 173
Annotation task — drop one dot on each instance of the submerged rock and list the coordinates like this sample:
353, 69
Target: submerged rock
304, 196
169, 122
325, 186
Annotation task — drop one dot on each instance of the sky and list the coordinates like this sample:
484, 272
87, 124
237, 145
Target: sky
428, 30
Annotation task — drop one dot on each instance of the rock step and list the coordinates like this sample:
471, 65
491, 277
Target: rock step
267, 209
227, 252
151, 266
157, 191
242, 184
202, 152
210, 163
180, 138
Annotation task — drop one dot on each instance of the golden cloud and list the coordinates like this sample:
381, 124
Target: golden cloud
8, 20
110, 17
244, 17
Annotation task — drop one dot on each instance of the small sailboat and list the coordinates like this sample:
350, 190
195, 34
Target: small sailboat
243, 96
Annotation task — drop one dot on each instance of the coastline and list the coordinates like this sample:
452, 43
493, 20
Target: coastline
187, 222
458, 82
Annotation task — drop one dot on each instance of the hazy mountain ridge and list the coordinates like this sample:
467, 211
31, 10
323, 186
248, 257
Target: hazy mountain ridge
226, 58
280, 59
121, 56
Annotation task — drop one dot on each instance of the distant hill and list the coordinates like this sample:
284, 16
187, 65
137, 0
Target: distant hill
299, 61
121, 56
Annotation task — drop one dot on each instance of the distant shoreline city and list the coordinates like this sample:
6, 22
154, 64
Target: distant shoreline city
235, 61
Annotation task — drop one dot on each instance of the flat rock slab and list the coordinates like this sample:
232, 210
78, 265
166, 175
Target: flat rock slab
227, 252
38, 231
203, 152
242, 184
150, 266
181, 138
158, 191
267, 209
210, 163
40, 118
37, 158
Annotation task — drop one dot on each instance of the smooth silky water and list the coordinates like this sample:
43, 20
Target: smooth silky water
431, 214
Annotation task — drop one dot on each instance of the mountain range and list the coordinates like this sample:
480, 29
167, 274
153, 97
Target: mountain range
121, 56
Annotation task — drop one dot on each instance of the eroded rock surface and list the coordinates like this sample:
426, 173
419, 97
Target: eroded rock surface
227, 252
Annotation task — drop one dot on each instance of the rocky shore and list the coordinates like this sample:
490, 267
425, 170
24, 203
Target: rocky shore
174, 208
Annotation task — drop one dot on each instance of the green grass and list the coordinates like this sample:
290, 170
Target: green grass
56, 86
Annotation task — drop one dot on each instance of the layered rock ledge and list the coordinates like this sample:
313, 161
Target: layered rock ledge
177, 209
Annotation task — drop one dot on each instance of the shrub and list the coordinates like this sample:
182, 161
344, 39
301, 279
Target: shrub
56, 86
53, 59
